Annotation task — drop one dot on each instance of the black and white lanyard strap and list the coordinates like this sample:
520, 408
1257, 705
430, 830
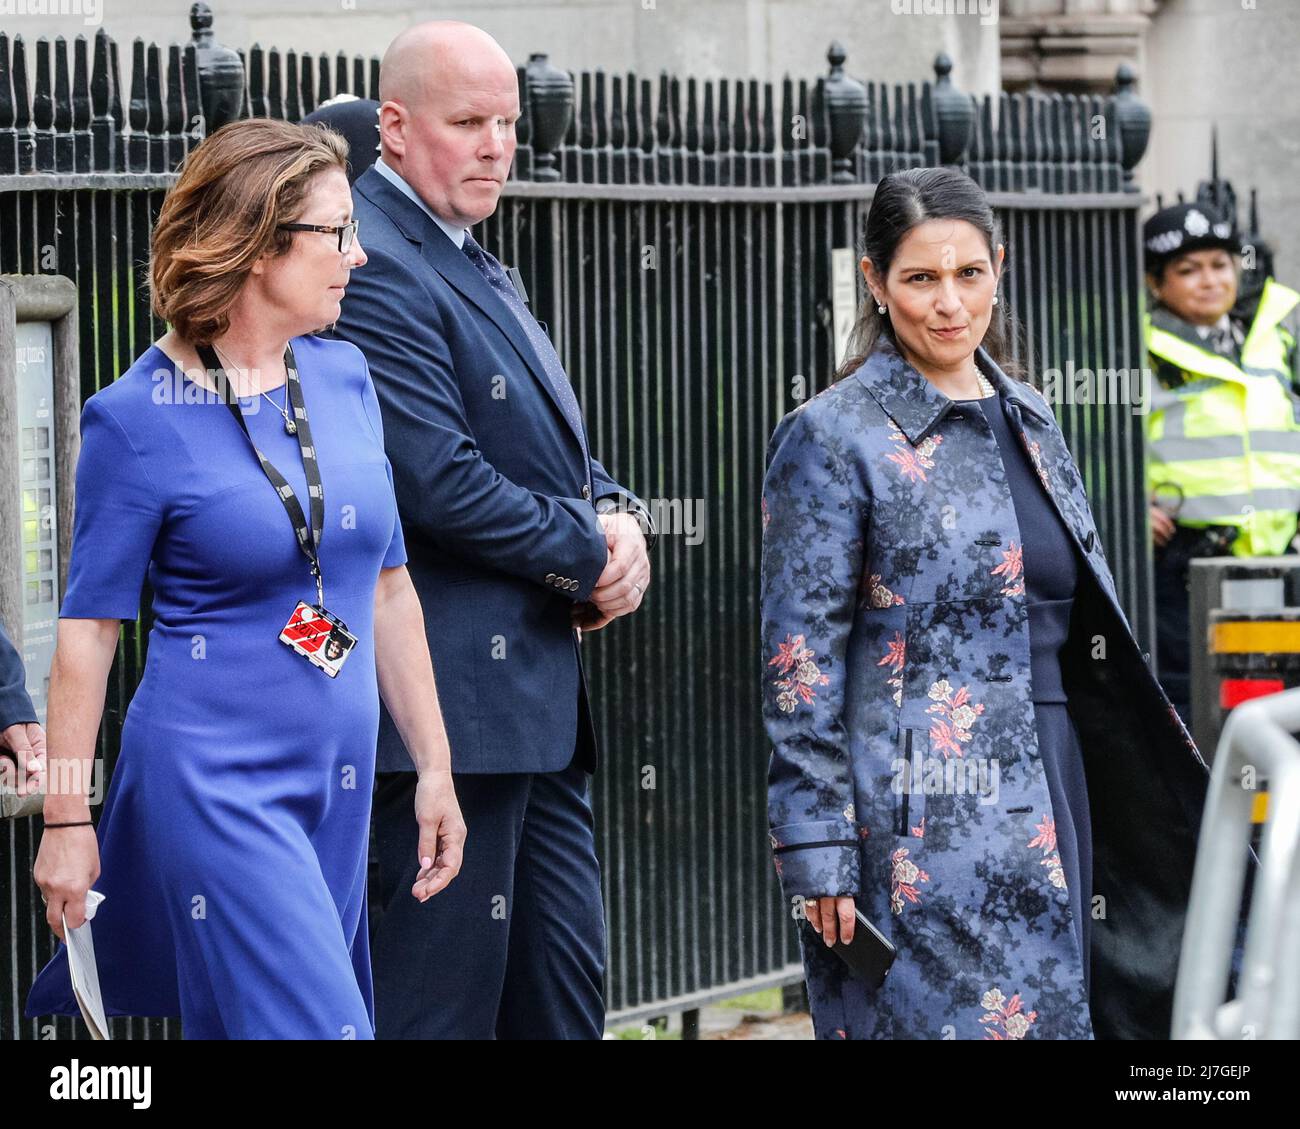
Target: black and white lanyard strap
308, 536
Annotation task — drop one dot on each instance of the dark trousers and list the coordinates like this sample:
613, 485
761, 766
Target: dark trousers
514, 948
1173, 632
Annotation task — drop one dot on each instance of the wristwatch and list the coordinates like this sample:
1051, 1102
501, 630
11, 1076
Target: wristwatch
626, 504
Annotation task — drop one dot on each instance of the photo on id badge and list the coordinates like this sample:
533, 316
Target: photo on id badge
320, 638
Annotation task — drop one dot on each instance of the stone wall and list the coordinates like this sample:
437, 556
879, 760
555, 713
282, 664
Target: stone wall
707, 38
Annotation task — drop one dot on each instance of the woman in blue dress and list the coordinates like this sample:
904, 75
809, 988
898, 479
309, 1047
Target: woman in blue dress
233, 843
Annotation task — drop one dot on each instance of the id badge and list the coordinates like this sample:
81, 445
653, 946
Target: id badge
321, 638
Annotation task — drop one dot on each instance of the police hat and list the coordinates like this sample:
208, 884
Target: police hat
1181, 228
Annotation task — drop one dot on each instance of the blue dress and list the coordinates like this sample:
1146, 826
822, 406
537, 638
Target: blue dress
234, 837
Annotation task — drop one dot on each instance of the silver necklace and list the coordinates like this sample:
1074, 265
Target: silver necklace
290, 427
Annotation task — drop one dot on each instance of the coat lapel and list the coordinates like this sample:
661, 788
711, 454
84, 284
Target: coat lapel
1035, 427
1040, 436
450, 262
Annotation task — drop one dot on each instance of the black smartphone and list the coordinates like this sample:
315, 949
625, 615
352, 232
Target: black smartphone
869, 955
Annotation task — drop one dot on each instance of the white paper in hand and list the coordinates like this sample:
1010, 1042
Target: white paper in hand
82, 969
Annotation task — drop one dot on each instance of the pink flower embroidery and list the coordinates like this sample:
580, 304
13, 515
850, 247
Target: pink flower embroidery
904, 878
1036, 455
956, 715
1046, 841
913, 461
796, 661
1046, 837
878, 596
1012, 570
1006, 1018
919, 830
894, 658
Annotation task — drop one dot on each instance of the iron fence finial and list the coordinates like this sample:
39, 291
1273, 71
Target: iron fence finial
221, 72
1133, 121
550, 105
845, 102
954, 113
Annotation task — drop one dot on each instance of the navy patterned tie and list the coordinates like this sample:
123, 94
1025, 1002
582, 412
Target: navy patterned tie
492, 270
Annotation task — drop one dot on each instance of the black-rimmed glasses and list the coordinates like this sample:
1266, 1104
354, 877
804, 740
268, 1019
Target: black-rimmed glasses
346, 232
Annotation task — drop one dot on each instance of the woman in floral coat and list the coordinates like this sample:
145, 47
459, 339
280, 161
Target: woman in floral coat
968, 743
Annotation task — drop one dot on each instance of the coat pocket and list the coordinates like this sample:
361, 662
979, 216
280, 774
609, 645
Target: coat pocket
908, 782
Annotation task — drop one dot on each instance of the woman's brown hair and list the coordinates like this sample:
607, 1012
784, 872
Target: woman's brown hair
222, 214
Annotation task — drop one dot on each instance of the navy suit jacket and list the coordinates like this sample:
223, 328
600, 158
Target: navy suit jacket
496, 497
15, 705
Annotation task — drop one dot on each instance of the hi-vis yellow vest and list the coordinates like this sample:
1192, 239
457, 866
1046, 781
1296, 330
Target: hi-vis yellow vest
1229, 435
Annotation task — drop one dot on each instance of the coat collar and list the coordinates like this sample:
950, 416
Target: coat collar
916, 405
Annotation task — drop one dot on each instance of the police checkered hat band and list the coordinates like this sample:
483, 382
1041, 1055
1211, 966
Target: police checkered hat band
1182, 228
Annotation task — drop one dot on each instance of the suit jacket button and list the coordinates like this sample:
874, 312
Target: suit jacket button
586, 493
550, 578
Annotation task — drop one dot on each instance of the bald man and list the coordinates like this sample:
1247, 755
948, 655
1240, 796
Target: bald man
518, 541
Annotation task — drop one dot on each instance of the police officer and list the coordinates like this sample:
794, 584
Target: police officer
22, 740
1223, 434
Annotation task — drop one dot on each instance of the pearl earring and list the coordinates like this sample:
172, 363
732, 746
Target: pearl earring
881, 308
995, 299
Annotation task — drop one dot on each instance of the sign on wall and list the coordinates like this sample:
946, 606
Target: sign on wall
40, 405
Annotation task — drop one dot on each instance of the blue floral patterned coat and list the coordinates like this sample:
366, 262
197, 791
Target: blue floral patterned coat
905, 768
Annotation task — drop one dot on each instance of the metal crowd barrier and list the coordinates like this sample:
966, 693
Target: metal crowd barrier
1257, 751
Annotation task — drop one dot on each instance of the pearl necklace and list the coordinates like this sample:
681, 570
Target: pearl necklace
986, 388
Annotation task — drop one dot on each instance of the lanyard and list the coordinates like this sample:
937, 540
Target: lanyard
308, 535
